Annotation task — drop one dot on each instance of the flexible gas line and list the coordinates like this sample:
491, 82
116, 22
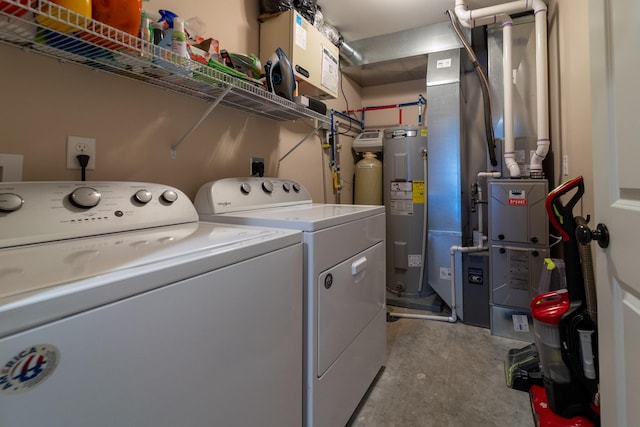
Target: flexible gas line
424, 219
486, 91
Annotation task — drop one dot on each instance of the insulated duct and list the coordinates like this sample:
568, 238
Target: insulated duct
350, 55
399, 56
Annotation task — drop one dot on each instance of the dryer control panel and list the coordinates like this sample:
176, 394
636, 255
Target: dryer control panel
242, 194
37, 212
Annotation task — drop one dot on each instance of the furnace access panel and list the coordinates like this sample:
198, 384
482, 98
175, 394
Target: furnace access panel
517, 211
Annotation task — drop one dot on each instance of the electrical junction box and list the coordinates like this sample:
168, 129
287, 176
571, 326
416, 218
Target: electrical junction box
313, 57
475, 289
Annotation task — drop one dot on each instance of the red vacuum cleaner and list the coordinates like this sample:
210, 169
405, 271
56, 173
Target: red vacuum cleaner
565, 324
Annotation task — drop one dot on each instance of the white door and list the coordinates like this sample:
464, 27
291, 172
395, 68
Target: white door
615, 61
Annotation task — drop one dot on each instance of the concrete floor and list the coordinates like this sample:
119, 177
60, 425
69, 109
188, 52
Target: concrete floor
445, 375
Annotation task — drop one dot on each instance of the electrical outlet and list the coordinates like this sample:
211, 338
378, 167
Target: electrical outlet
565, 165
256, 167
80, 145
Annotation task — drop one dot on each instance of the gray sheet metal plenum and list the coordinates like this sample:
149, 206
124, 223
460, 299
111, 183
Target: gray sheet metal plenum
395, 57
445, 166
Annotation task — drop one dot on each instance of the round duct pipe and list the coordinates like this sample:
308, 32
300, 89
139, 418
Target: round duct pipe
349, 54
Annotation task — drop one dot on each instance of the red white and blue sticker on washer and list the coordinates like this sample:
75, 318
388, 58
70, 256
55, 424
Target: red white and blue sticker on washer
28, 368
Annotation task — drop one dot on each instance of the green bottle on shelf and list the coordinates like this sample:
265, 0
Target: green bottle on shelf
179, 42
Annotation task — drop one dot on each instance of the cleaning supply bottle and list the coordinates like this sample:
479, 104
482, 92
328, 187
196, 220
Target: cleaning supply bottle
179, 42
125, 15
147, 37
158, 32
58, 16
166, 18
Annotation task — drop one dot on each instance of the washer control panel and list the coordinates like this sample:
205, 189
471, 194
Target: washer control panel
241, 194
37, 212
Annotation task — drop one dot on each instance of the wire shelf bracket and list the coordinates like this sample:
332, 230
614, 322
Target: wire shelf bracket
208, 111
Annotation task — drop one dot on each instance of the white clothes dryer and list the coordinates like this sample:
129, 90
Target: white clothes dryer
344, 287
119, 308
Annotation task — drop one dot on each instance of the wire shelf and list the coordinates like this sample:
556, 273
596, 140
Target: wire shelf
55, 31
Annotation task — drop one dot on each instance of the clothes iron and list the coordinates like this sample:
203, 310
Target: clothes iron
280, 77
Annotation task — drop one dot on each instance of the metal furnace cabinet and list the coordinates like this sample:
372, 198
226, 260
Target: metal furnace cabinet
518, 242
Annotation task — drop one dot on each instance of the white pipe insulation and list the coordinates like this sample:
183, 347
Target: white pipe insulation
500, 13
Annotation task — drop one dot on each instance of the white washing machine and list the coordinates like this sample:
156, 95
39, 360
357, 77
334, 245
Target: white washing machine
344, 287
119, 308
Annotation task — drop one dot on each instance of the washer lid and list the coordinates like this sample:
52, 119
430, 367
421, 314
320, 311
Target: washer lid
66, 277
308, 217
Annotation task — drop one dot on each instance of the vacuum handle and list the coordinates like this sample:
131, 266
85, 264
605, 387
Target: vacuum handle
560, 215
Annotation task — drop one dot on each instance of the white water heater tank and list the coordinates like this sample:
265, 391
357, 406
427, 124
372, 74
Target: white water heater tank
368, 181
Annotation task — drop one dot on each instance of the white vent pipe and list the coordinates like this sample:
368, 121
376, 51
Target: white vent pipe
542, 87
500, 13
507, 83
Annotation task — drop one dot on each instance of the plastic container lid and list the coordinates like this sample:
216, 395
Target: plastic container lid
178, 24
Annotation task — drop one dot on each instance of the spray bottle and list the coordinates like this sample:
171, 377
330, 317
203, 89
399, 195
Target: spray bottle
147, 37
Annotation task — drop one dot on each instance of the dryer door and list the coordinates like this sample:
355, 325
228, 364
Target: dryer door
350, 295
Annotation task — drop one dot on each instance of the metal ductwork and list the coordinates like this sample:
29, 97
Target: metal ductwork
400, 56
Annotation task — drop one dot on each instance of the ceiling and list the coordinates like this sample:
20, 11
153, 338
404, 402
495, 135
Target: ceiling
391, 39
361, 19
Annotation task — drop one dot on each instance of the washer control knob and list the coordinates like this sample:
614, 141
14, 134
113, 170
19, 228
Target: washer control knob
245, 188
267, 186
85, 197
143, 196
10, 202
169, 196
296, 187
286, 187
